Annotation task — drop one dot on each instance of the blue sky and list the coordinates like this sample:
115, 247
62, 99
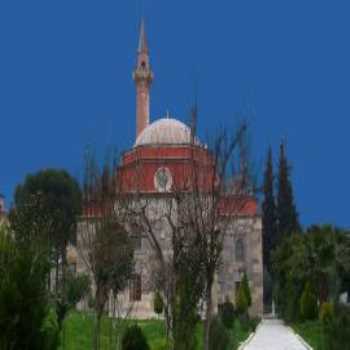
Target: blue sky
65, 82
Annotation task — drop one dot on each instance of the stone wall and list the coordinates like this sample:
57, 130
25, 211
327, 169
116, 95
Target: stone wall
247, 229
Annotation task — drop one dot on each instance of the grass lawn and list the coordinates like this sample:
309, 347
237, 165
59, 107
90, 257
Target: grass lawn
311, 332
78, 332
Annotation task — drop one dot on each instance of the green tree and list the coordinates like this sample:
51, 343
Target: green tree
111, 258
308, 304
189, 289
320, 256
23, 294
321, 270
292, 295
343, 251
269, 218
185, 317
286, 211
56, 198
76, 287
336, 328
289, 266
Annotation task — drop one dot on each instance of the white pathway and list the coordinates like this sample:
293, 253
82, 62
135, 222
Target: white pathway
274, 335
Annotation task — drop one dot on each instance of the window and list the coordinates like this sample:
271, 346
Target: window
239, 250
135, 289
237, 286
137, 241
72, 268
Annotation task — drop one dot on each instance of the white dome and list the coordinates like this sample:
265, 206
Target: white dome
165, 131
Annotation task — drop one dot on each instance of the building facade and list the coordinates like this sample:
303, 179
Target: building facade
164, 156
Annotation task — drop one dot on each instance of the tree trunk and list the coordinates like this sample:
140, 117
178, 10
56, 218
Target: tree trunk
56, 272
323, 289
101, 296
167, 320
167, 297
208, 314
49, 281
63, 263
96, 339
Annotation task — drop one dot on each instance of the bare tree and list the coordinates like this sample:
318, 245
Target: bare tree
214, 201
177, 268
195, 214
104, 245
152, 215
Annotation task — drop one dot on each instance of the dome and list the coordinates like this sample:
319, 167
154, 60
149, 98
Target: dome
165, 131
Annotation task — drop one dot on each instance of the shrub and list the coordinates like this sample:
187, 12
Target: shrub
308, 304
337, 329
227, 313
241, 300
327, 312
254, 323
50, 330
219, 336
244, 321
292, 295
77, 287
158, 304
246, 288
134, 339
166, 345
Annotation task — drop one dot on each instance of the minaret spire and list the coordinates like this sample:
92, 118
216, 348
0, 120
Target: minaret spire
143, 77
143, 47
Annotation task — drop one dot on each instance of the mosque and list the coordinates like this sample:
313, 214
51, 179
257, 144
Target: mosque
160, 161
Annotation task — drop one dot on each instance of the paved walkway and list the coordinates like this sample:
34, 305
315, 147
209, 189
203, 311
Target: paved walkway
274, 335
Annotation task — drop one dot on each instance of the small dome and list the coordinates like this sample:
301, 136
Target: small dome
165, 131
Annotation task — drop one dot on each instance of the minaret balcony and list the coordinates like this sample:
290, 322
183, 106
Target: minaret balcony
142, 74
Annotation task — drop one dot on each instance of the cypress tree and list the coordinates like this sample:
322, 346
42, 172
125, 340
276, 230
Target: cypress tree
246, 288
241, 300
286, 211
158, 304
269, 218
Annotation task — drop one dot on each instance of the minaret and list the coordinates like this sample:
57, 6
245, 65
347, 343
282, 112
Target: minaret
143, 77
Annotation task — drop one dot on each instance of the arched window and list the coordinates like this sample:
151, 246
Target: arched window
136, 238
135, 288
239, 250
